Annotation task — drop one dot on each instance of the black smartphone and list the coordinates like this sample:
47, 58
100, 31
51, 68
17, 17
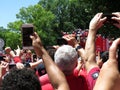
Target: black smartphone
12, 66
2, 58
61, 41
34, 58
27, 30
109, 20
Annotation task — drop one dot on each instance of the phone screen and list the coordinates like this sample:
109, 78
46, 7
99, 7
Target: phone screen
27, 30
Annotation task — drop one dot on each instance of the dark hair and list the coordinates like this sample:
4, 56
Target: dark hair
21, 79
104, 56
51, 51
41, 69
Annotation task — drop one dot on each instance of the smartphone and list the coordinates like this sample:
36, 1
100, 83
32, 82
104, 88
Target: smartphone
34, 58
12, 66
109, 20
61, 41
27, 30
2, 58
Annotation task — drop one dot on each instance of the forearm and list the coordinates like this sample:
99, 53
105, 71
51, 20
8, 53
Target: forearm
34, 64
103, 84
37, 50
90, 43
56, 76
90, 53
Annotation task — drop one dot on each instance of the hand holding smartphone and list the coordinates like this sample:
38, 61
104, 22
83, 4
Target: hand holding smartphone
109, 18
27, 30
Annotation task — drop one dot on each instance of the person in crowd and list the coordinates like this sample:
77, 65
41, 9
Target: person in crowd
14, 55
28, 56
90, 51
7, 52
72, 41
102, 58
90, 61
109, 76
57, 77
3, 67
66, 58
25, 79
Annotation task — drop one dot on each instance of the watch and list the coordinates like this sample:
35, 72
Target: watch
78, 47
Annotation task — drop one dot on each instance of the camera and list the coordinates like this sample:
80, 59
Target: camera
109, 18
27, 30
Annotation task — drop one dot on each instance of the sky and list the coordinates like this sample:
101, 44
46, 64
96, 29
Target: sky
9, 9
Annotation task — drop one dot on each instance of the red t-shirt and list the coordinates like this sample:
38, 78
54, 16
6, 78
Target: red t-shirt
16, 59
77, 83
81, 72
45, 82
74, 82
92, 77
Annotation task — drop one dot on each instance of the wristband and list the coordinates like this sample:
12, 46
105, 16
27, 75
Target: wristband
78, 47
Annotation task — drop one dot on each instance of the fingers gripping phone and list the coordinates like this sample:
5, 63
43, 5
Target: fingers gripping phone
27, 30
109, 20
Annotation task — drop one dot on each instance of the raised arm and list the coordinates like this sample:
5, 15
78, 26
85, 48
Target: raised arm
34, 64
70, 38
109, 77
90, 53
57, 78
117, 18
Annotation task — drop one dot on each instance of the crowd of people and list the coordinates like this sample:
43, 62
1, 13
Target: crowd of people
63, 67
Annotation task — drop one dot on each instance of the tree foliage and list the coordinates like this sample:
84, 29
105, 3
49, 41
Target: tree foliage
11, 38
51, 17
40, 18
73, 14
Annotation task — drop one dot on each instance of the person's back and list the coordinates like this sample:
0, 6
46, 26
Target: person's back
77, 83
74, 82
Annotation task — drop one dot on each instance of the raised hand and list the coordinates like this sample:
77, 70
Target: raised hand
117, 18
97, 22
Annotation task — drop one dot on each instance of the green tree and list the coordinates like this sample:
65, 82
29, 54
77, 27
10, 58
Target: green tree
73, 14
41, 19
51, 17
11, 38
60, 9
15, 26
70, 14
107, 7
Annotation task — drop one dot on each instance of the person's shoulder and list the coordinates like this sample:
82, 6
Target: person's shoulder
95, 69
93, 73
